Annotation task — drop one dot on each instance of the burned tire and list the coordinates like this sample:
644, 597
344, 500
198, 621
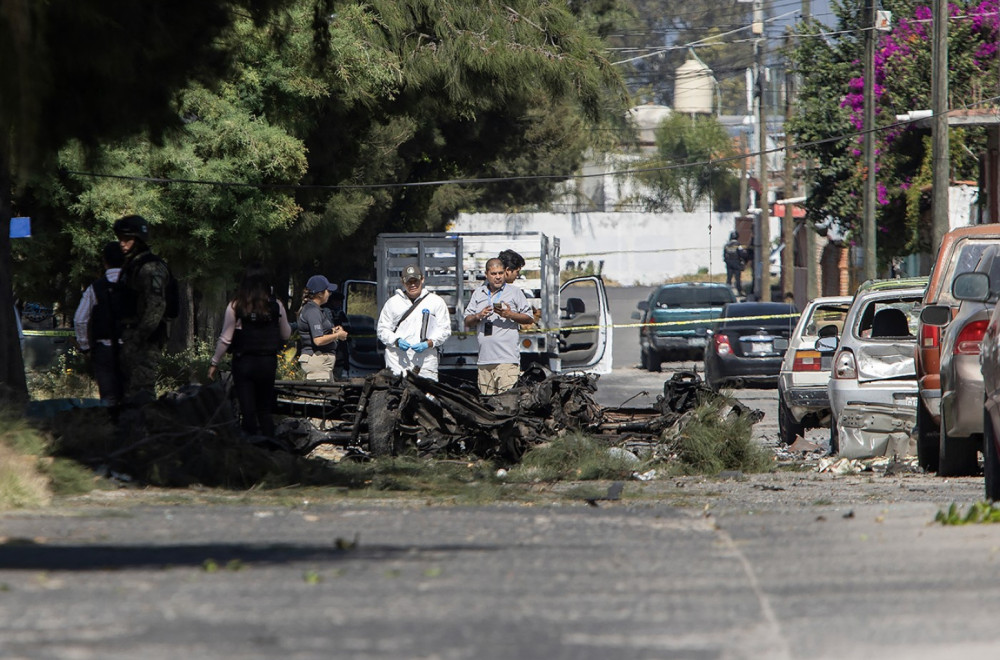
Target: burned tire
381, 424
928, 442
788, 428
991, 460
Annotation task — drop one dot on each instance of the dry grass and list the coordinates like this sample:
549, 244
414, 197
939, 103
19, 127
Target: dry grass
22, 482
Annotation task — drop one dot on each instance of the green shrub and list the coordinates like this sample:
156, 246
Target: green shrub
70, 376
571, 457
711, 442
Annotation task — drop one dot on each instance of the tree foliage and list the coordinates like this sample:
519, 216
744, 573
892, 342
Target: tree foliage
829, 118
691, 165
92, 70
330, 119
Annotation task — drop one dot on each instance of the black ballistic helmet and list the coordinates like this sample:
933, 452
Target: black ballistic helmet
132, 226
732, 236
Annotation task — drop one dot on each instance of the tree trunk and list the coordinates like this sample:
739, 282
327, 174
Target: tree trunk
13, 386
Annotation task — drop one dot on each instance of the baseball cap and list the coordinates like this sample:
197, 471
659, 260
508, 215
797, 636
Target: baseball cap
319, 283
412, 272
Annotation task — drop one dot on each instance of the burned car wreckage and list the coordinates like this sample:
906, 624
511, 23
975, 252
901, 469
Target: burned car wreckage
191, 436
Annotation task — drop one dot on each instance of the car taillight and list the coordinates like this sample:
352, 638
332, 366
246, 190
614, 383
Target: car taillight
930, 336
807, 361
720, 343
844, 366
970, 339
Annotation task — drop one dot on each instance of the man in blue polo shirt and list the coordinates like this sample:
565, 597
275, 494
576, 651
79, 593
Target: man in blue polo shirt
496, 309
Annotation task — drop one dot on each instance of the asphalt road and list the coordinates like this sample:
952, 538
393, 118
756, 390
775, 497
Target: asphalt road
783, 565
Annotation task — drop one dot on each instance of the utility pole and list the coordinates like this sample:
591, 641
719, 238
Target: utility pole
762, 237
940, 161
812, 285
788, 221
868, 220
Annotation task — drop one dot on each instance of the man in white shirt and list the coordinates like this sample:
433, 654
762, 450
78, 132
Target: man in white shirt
413, 324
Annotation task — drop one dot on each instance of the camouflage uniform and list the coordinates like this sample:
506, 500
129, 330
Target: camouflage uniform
144, 329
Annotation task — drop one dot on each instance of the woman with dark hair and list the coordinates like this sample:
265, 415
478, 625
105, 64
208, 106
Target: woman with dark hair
254, 329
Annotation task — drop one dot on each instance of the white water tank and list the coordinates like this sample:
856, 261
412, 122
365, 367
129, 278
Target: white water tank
693, 88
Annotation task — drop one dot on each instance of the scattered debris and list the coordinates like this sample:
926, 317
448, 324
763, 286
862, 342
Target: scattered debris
191, 436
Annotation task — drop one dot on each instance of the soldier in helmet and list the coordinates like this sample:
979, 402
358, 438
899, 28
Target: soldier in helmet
735, 256
144, 332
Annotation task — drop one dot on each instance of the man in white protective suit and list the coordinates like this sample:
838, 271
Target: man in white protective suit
413, 325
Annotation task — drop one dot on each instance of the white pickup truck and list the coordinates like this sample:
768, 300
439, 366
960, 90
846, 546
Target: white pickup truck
573, 331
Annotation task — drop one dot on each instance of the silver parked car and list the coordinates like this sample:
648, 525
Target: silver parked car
803, 401
873, 386
962, 391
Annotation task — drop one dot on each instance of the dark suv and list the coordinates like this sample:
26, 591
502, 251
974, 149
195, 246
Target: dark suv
676, 318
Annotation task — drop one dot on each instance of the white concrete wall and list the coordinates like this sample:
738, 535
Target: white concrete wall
637, 248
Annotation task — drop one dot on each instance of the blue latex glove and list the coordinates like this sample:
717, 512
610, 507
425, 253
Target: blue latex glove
421, 347
403, 344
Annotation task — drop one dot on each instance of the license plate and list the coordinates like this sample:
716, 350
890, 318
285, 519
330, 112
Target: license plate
908, 400
697, 341
760, 347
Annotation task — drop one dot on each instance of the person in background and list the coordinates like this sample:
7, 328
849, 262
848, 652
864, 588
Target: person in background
254, 328
496, 310
413, 324
512, 264
318, 336
735, 257
144, 279
96, 326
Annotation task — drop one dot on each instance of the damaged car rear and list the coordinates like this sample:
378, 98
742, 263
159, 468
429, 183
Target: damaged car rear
873, 387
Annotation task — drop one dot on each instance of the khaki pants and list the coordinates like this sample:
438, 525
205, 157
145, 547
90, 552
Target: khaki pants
318, 366
497, 378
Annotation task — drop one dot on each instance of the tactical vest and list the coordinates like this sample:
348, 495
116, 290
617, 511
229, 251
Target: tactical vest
105, 315
130, 303
259, 334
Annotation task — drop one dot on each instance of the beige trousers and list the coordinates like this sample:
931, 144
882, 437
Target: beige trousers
497, 378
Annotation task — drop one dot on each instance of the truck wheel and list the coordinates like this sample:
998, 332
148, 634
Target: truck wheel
991, 464
834, 438
958, 457
643, 359
381, 424
654, 361
927, 440
788, 428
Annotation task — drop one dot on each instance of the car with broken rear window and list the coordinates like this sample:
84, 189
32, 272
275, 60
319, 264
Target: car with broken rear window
960, 251
803, 401
748, 343
873, 386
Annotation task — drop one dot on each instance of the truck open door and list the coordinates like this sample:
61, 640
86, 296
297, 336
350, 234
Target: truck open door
363, 350
585, 326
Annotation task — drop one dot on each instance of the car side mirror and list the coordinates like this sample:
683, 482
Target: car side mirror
971, 286
636, 316
937, 315
827, 344
643, 306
